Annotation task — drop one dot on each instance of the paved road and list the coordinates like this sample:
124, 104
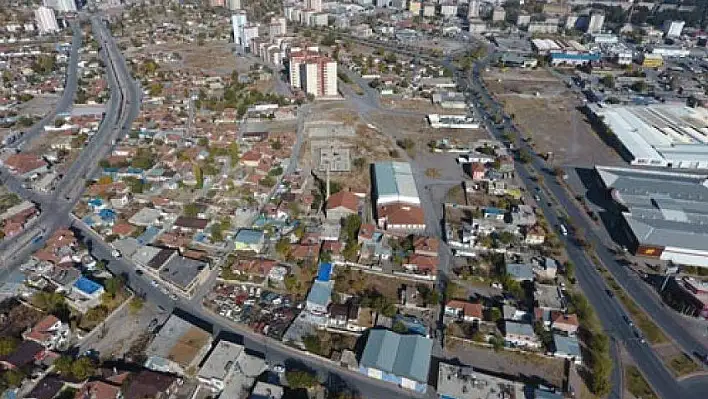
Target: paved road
274, 351
67, 98
609, 310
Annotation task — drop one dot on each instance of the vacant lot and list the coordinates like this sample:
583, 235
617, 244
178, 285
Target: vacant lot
545, 110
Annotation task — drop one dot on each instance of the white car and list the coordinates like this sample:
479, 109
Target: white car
153, 283
115, 253
279, 368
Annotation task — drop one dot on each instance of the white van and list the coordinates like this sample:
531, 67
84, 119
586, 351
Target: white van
563, 229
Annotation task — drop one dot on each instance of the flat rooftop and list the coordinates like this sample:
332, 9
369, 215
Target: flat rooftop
467, 383
179, 341
221, 360
660, 134
181, 271
664, 209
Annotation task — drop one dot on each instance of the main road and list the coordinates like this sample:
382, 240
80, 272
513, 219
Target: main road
609, 310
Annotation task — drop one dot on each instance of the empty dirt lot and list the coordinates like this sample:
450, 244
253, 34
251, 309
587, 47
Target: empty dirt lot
544, 109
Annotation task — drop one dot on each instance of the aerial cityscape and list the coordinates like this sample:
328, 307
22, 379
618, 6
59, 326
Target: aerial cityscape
353, 199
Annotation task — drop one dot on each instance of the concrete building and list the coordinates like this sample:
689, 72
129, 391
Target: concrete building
315, 5
448, 9
428, 10
313, 73
673, 28
523, 20
400, 359
219, 366
238, 21
249, 32
233, 5
473, 10
666, 135
595, 22
216, 3
394, 183
414, 7
61, 5
178, 346
665, 213
46, 20
463, 382
498, 14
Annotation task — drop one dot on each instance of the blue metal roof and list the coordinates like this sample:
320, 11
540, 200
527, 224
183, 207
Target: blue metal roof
580, 56
401, 355
324, 272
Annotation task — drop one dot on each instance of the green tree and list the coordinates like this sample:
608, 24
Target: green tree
399, 327
48, 301
13, 378
63, 365
312, 344
234, 152
82, 368
301, 379
495, 314
198, 175
7, 345
291, 283
282, 247
112, 286
191, 210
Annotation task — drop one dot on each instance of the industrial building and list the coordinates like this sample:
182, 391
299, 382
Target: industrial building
46, 20
394, 183
400, 359
665, 213
663, 135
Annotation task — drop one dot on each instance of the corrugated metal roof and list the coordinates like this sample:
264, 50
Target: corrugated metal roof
401, 355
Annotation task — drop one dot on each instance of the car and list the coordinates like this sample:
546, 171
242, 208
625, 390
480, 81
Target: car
139, 272
537, 198
610, 293
116, 253
278, 368
154, 283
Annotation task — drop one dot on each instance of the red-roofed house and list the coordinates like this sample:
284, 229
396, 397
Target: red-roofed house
366, 233
50, 332
342, 204
420, 264
463, 310
250, 159
123, 229
400, 217
26, 165
564, 322
427, 246
98, 390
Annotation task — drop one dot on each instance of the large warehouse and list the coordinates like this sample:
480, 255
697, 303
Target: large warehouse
666, 213
394, 182
665, 135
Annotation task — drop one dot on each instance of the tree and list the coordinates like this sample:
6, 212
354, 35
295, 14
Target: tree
13, 378
312, 344
112, 286
198, 175
82, 368
282, 247
234, 152
608, 81
301, 379
291, 283
570, 271
63, 365
191, 210
495, 314
399, 327
7, 345
48, 301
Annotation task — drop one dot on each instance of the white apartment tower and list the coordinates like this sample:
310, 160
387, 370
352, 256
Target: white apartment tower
233, 5
46, 20
473, 10
238, 21
673, 28
313, 73
315, 5
595, 22
61, 5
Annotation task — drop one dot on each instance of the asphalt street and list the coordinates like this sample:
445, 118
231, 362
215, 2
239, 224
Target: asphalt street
609, 310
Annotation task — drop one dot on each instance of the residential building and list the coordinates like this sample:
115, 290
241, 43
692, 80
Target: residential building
238, 21
595, 22
400, 217
464, 382
233, 5
567, 347
498, 14
463, 310
313, 73
264, 390
342, 204
400, 359
314, 5
178, 346
50, 332
521, 335
61, 5
673, 29
473, 10
46, 20
249, 240
567, 323
219, 366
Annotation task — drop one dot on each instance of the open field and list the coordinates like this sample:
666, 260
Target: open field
546, 111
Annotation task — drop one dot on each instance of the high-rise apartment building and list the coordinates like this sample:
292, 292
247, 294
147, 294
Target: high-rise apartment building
278, 26
61, 5
315, 5
473, 10
313, 73
238, 21
233, 5
46, 20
